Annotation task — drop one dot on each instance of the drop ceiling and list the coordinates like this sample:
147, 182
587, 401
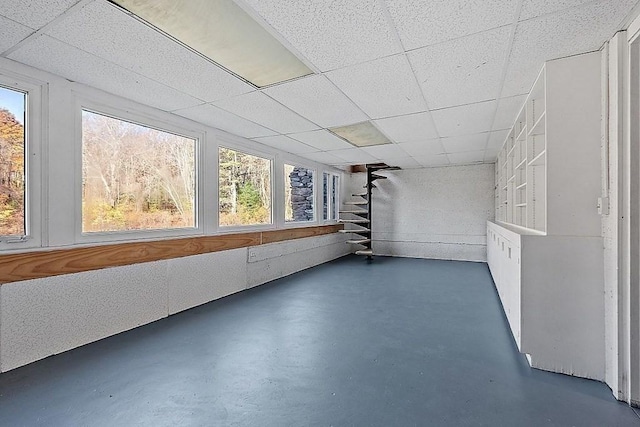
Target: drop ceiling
441, 79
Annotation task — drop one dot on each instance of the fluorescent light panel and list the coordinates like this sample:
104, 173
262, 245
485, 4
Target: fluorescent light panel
363, 134
222, 31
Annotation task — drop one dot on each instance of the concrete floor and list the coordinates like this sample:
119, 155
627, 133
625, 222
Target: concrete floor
399, 342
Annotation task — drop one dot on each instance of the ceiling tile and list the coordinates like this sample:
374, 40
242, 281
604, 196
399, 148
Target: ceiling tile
386, 152
382, 88
34, 13
458, 144
508, 109
466, 158
423, 148
322, 140
464, 70
284, 143
332, 34
412, 127
566, 33
406, 163
354, 155
464, 120
58, 58
105, 31
491, 155
259, 108
433, 161
325, 158
422, 23
496, 139
317, 99
220, 119
11, 33
534, 8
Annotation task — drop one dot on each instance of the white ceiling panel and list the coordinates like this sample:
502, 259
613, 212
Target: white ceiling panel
382, 88
569, 32
322, 140
406, 163
354, 155
11, 33
465, 120
433, 161
34, 13
423, 23
458, 144
496, 139
107, 32
317, 99
284, 143
74, 64
221, 119
464, 70
534, 8
423, 148
508, 109
412, 127
332, 34
466, 158
322, 157
386, 152
259, 108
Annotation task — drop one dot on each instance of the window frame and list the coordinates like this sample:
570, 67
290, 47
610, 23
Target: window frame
222, 229
168, 125
316, 218
334, 214
36, 136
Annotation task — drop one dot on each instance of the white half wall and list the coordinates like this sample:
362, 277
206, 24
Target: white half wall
43, 317
436, 213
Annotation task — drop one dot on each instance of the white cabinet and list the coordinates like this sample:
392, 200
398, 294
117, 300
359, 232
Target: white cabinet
545, 249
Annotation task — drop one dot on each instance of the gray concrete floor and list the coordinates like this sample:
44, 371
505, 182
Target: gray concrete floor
399, 342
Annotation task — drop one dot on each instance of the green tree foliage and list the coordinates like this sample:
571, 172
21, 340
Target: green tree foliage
12, 177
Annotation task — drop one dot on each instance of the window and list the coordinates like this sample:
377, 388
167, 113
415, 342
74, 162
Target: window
335, 197
135, 177
244, 188
325, 196
298, 194
13, 174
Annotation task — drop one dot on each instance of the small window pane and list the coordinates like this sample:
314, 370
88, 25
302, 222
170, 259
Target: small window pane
299, 196
135, 177
325, 196
335, 202
244, 188
12, 162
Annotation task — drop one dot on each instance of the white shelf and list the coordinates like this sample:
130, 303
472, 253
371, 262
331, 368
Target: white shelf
539, 159
521, 186
539, 127
522, 163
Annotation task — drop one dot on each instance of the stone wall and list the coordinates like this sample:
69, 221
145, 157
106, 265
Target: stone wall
301, 180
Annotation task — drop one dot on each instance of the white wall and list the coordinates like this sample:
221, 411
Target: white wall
432, 213
42, 317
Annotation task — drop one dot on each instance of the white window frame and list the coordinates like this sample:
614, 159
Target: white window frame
35, 139
316, 218
335, 209
256, 153
169, 125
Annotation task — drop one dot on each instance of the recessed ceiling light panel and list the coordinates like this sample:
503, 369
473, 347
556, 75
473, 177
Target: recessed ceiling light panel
223, 32
362, 134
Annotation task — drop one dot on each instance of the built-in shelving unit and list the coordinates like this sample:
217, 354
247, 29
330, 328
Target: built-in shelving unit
545, 247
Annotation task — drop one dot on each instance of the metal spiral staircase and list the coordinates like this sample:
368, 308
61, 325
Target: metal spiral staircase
360, 215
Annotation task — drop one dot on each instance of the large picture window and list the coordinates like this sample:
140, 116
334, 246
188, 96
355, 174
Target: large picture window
335, 197
135, 177
326, 185
299, 194
244, 189
12, 162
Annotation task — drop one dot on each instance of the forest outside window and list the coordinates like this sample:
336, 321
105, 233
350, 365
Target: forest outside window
13, 176
135, 177
299, 194
325, 196
244, 188
335, 197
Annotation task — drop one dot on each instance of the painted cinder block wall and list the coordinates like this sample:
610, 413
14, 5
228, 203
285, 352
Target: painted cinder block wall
432, 212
